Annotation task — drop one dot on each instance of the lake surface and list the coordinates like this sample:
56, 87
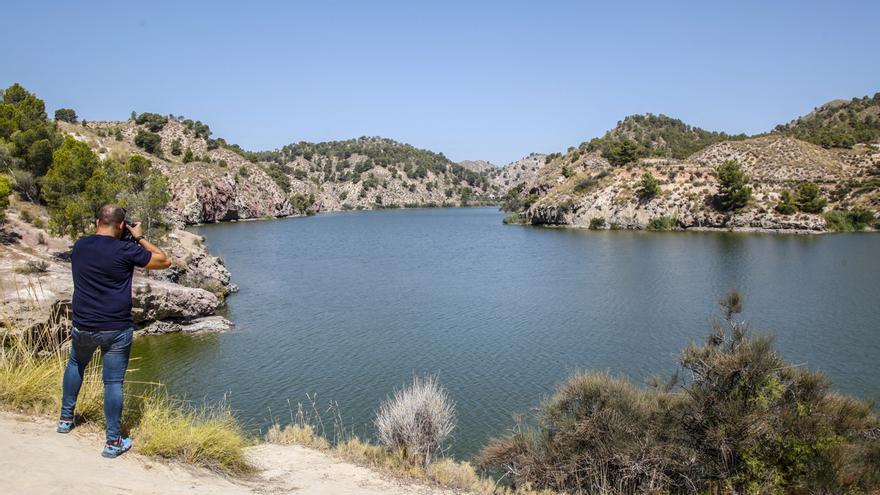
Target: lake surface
351, 305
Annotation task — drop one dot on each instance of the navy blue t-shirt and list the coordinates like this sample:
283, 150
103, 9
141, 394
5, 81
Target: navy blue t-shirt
102, 271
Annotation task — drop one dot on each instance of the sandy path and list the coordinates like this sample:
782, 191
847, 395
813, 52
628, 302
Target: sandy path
35, 459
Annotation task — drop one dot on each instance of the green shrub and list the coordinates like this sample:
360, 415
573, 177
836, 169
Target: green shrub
648, 188
302, 203
786, 205
848, 220
744, 422
33, 267
662, 223
512, 218
188, 156
597, 223
5, 191
809, 199
149, 141
176, 147
733, 191
152, 121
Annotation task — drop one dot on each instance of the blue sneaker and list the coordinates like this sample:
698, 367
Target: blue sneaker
116, 448
64, 425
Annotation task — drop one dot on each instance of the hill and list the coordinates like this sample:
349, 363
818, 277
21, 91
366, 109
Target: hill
838, 123
211, 180
648, 135
657, 172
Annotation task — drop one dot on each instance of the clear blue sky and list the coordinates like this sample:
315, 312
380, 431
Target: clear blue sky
475, 80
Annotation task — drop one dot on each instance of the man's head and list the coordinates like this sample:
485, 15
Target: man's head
110, 220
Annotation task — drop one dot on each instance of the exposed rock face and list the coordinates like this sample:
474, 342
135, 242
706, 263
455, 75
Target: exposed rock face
518, 172
207, 324
597, 192
478, 166
193, 266
204, 193
159, 300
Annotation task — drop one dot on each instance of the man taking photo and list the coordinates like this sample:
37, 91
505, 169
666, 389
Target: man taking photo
103, 265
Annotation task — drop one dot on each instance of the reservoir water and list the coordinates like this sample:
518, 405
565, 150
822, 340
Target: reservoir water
350, 305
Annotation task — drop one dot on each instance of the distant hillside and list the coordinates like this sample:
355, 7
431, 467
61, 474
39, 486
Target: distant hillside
839, 123
588, 191
640, 136
478, 166
515, 173
212, 180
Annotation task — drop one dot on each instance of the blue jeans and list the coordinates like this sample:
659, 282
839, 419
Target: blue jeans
115, 349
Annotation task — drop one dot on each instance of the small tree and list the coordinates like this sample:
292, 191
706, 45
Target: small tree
809, 198
188, 156
733, 191
176, 147
66, 115
649, 187
786, 205
622, 152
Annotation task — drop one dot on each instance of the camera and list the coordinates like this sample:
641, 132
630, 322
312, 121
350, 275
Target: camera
125, 235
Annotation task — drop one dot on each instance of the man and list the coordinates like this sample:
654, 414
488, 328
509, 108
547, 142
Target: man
103, 265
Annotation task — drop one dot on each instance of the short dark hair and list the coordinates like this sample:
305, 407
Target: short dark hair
111, 215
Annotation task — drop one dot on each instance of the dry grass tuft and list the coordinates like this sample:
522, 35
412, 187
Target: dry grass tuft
416, 420
208, 436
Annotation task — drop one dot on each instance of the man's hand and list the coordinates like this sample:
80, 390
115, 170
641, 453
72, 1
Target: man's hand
136, 231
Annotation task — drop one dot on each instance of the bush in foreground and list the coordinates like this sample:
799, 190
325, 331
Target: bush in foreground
746, 422
416, 420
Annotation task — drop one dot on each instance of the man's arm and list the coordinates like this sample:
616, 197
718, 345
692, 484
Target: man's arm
158, 260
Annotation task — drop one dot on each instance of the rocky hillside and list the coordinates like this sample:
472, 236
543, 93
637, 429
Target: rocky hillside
515, 173
838, 123
633, 178
588, 191
212, 181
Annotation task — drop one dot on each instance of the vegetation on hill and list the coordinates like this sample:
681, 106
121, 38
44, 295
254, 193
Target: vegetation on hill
649, 135
839, 124
66, 175
733, 190
340, 159
745, 422
27, 138
78, 183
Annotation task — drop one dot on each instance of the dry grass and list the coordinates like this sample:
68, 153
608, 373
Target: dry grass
31, 369
209, 436
307, 428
